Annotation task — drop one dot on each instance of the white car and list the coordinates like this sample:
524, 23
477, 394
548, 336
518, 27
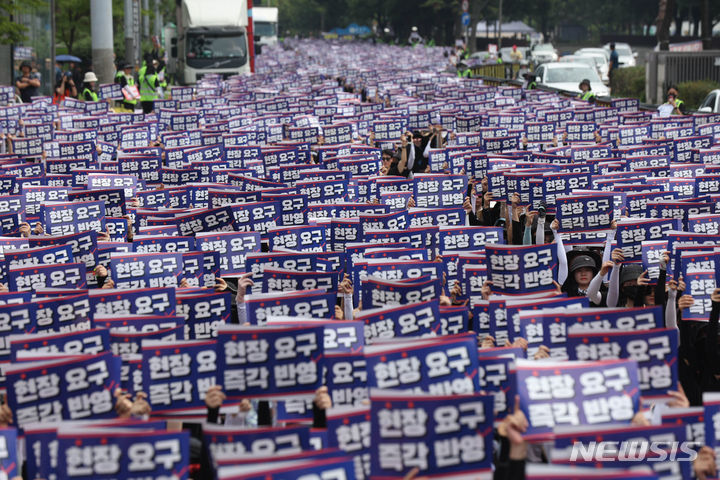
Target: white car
601, 63
589, 61
567, 76
593, 50
542, 53
626, 57
711, 104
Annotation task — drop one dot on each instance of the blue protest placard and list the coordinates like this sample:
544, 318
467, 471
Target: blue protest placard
308, 238
146, 270
632, 232
176, 375
308, 303
89, 342
522, 269
84, 245
654, 350
437, 434
284, 361
125, 343
585, 212
109, 453
47, 276
209, 220
376, 292
77, 388
554, 394
437, 366
232, 247
414, 319
147, 301
63, 218
242, 443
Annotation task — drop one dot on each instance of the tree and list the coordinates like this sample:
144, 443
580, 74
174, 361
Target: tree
72, 21
12, 32
665, 9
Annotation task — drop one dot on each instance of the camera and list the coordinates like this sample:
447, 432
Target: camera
542, 210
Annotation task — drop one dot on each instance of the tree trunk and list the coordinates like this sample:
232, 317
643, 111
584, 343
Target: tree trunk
662, 23
706, 30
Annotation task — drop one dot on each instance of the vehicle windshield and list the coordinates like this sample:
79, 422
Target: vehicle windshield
624, 51
201, 45
570, 75
545, 47
586, 60
598, 59
264, 29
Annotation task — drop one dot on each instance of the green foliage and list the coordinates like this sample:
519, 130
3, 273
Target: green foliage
10, 31
693, 93
629, 82
72, 26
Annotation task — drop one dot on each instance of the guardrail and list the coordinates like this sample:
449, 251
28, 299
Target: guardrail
664, 69
497, 81
497, 70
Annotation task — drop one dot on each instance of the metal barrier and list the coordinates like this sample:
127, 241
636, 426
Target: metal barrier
496, 70
670, 68
604, 101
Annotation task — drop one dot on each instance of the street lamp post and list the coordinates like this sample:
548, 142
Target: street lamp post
101, 31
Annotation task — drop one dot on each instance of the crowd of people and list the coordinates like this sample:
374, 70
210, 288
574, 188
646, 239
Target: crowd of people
70, 82
333, 268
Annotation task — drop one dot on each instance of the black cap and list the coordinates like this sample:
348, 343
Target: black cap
630, 271
582, 261
127, 65
25, 64
585, 82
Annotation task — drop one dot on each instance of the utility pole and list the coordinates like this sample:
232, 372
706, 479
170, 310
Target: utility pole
250, 37
157, 30
101, 31
146, 19
129, 37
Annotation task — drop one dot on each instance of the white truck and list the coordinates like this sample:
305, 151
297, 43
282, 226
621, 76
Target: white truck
265, 25
211, 37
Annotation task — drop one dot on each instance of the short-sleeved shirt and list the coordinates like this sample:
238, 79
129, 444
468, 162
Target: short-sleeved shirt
614, 59
28, 92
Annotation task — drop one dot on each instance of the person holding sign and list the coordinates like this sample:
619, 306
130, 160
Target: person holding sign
673, 104
88, 93
126, 80
586, 94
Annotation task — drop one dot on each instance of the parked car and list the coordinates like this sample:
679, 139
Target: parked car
601, 62
711, 104
626, 57
543, 53
567, 76
587, 60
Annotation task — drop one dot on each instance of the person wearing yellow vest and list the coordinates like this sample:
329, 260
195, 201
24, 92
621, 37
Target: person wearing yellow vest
148, 82
125, 78
586, 94
677, 104
88, 93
